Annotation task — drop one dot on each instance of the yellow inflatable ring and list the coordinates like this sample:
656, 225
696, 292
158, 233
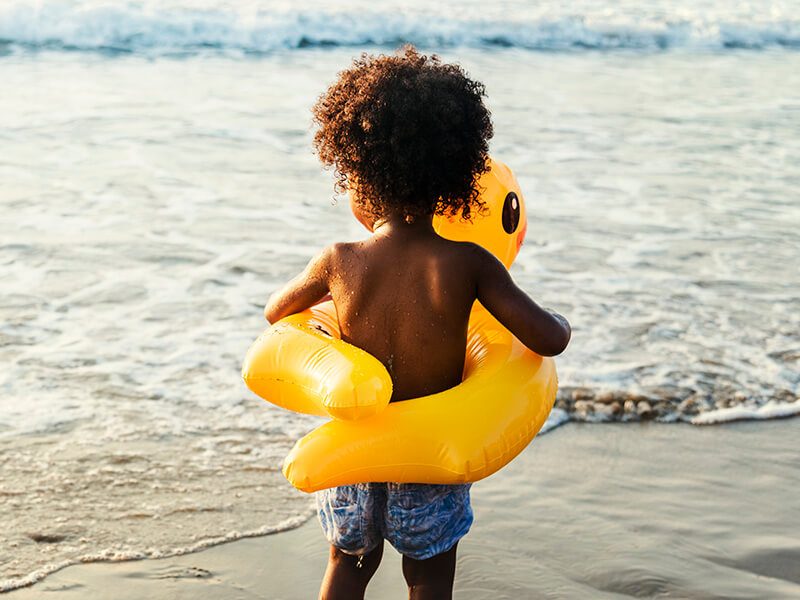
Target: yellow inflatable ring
459, 435
299, 365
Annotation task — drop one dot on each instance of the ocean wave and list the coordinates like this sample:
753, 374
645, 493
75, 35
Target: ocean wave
583, 405
133, 28
770, 410
670, 404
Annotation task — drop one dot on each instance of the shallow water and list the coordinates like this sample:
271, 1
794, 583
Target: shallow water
153, 198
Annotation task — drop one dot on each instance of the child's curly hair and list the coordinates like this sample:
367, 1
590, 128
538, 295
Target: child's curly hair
409, 131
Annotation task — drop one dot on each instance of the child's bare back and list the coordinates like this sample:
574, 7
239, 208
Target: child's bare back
405, 295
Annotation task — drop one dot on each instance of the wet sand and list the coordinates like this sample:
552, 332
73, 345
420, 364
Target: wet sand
588, 511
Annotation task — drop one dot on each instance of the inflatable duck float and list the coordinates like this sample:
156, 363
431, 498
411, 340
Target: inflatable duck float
456, 436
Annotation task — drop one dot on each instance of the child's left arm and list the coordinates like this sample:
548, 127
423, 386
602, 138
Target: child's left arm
302, 292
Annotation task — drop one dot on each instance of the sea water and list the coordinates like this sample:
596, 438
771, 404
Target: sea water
157, 183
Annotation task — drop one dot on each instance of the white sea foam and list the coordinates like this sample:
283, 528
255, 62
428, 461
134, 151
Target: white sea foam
122, 553
556, 418
770, 410
186, 28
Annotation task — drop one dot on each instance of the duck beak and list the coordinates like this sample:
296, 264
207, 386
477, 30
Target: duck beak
521, 235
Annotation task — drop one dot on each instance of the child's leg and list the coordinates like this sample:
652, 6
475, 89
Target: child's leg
347, 576
348, 517
424, 523
431, 579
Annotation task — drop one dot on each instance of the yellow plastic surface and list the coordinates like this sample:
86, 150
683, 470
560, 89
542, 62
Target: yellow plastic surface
298, 365
487, 229
460, 435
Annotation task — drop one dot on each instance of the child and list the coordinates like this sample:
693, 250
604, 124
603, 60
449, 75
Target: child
408, 136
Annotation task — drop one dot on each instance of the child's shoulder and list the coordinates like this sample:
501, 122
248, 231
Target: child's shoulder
464, 257
469, 253
338, 251
341, 256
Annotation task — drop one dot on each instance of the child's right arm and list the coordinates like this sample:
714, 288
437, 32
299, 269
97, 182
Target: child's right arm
544, 332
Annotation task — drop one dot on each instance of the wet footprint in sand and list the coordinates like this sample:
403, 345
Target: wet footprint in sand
178, 572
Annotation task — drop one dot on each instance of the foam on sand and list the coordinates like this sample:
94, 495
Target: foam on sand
120, 555
770, 410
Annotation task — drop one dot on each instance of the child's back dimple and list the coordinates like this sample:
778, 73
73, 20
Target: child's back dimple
407, 302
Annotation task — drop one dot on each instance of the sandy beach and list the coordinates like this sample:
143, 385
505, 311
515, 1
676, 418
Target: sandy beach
588, 511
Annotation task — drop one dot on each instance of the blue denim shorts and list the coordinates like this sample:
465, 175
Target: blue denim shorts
419, 520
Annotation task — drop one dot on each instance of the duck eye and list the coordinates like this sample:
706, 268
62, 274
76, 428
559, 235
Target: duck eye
511, 213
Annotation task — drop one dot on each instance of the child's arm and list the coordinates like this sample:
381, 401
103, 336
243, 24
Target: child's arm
302, 292
543, 332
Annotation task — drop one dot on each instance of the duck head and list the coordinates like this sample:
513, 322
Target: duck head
501, 228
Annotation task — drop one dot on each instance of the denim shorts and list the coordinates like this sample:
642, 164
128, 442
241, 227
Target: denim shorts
419, 520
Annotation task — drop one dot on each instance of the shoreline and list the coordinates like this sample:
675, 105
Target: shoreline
628, 511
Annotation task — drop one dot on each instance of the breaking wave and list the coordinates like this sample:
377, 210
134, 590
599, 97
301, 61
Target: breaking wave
138, 29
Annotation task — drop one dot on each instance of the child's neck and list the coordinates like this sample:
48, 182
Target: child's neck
399, 226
